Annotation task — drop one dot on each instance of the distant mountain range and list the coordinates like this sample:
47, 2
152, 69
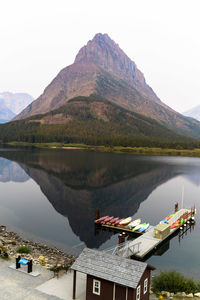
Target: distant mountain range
103, 70
5, 113
12, 104
193, 113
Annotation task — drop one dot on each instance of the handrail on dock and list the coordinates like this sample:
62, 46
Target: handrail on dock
126, 249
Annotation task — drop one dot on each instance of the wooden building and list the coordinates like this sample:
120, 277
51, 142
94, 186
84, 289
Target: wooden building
110, 277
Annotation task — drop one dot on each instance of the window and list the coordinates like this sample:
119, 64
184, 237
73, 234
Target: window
96, 287
138, 293
145, 285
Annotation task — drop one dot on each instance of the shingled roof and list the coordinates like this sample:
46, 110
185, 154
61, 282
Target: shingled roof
113, 268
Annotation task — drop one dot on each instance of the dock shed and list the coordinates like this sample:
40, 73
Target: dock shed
112, 277
161, 231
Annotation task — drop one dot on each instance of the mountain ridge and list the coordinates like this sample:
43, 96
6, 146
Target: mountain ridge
102, 68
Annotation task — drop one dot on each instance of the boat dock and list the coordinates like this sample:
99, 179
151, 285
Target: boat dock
142, 245
148, 241
118, 229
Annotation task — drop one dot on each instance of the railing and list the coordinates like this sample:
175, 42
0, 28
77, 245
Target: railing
126, 249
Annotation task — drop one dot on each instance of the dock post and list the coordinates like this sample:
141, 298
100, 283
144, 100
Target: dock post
97, 214
176, 207
74, 285
121, 239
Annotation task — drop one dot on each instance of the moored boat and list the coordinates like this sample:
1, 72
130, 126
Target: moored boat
138, 227
113, 220
107, 220
163, 221
176, 224
125, 221
101, 219
134, 223
117, 222
144, 227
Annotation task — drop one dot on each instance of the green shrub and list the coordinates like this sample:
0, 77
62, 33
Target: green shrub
173, 282
3, 249
23, 249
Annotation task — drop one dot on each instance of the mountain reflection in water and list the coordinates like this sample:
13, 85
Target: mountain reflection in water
76, 183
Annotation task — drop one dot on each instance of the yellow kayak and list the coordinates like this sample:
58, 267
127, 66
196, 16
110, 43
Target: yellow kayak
125, 221
134, 223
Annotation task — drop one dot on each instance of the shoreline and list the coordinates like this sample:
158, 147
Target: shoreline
115, 149
41, 254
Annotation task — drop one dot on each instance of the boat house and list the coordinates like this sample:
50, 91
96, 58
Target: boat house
112, 277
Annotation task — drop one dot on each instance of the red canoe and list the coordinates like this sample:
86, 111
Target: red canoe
101, 219
117, 222
176, 224
107, 220
114, 220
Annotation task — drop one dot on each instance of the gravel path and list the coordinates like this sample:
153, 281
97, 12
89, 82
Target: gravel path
18, 286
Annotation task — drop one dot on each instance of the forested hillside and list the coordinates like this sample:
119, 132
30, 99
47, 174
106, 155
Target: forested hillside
90, 120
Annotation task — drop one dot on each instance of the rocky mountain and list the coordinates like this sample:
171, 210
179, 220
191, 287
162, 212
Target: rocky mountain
102, 68
193, 113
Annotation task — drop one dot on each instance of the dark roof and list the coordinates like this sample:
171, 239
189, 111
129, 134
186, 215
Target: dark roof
110, 267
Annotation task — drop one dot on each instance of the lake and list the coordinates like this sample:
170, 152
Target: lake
51, 196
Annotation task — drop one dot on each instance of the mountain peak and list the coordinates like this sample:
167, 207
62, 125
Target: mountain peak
101, 43
105, 53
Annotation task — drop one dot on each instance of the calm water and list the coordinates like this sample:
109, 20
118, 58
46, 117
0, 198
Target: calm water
51, 196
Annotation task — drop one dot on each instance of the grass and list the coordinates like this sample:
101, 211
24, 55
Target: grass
23, 249
117, 149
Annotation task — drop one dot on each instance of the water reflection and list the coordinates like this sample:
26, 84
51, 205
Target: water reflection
11, 171
76, 183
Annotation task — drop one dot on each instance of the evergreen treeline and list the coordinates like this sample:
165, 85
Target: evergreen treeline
80, 122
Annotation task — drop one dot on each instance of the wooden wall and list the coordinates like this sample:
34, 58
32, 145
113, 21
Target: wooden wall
120, 291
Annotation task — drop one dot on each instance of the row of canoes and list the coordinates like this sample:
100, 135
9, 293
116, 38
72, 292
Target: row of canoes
176, 223
134, 225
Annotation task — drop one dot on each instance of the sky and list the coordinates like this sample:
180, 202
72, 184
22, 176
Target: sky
38, 38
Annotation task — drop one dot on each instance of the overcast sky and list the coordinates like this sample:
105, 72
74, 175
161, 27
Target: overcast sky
40, 37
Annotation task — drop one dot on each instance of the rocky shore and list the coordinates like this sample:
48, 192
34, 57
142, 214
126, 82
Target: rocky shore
44, 255
182, 295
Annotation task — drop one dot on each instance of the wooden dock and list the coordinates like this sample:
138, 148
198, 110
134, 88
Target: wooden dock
118, 229
146, 243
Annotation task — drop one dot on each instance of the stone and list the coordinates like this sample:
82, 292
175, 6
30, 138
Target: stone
183, 294
11, 242
179, 294
165, 294
189, 295
197, 294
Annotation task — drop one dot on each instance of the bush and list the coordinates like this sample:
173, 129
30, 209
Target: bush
3, 253
23, 249
173, 282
